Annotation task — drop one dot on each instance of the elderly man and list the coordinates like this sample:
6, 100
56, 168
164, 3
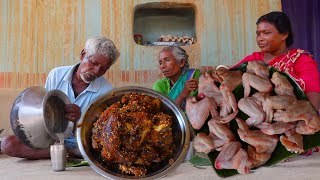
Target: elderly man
82, 83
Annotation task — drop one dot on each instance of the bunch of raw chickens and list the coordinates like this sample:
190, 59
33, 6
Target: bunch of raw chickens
273, 108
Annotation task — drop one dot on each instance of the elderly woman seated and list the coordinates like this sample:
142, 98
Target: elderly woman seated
179, 81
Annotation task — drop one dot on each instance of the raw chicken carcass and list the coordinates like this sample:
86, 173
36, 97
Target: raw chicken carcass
198, 111
300, 110
218, 142
227, 118
221, 130
292, 141
258, 68
262, 143
276, 103
203, 143
257, 159
207, 143
233, 157
232, 80
276, 128
260, 97
255, 112
222, 73
208, 88
303, 128
260, 84
282, 85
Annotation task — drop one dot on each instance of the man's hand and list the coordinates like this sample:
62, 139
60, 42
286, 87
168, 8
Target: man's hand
72, 112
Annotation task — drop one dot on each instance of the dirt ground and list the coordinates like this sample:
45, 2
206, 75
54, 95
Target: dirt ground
299, 167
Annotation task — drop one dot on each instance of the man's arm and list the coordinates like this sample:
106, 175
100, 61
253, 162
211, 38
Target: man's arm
72, 112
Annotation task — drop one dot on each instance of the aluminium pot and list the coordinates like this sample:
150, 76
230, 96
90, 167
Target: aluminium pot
37, 115
180, 130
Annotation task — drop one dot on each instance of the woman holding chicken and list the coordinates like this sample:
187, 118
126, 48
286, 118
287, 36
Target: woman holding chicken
274, 37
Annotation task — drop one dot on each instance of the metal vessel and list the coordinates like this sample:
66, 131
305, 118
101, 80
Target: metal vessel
180, 129
37, 115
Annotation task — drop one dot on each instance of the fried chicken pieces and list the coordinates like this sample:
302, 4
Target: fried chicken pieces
271, 105
133, 134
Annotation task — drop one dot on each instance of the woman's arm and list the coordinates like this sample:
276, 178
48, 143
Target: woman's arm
314, 99
191, 85
307, 69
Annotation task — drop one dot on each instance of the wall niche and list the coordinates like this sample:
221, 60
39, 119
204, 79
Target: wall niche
164, 23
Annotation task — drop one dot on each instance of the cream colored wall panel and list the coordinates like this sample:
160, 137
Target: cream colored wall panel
38, 35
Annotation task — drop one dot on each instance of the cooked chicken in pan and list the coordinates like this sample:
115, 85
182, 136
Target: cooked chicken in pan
133, 134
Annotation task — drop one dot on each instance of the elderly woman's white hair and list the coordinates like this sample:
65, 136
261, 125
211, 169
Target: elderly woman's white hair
102, 46
179, 54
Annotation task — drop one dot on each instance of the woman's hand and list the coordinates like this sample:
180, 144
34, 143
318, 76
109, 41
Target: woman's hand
72, 112
190, 85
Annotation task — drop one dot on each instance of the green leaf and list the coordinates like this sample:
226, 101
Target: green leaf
76, 162
200, 161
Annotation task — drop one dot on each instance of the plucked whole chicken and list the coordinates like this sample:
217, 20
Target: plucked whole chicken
274, 114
